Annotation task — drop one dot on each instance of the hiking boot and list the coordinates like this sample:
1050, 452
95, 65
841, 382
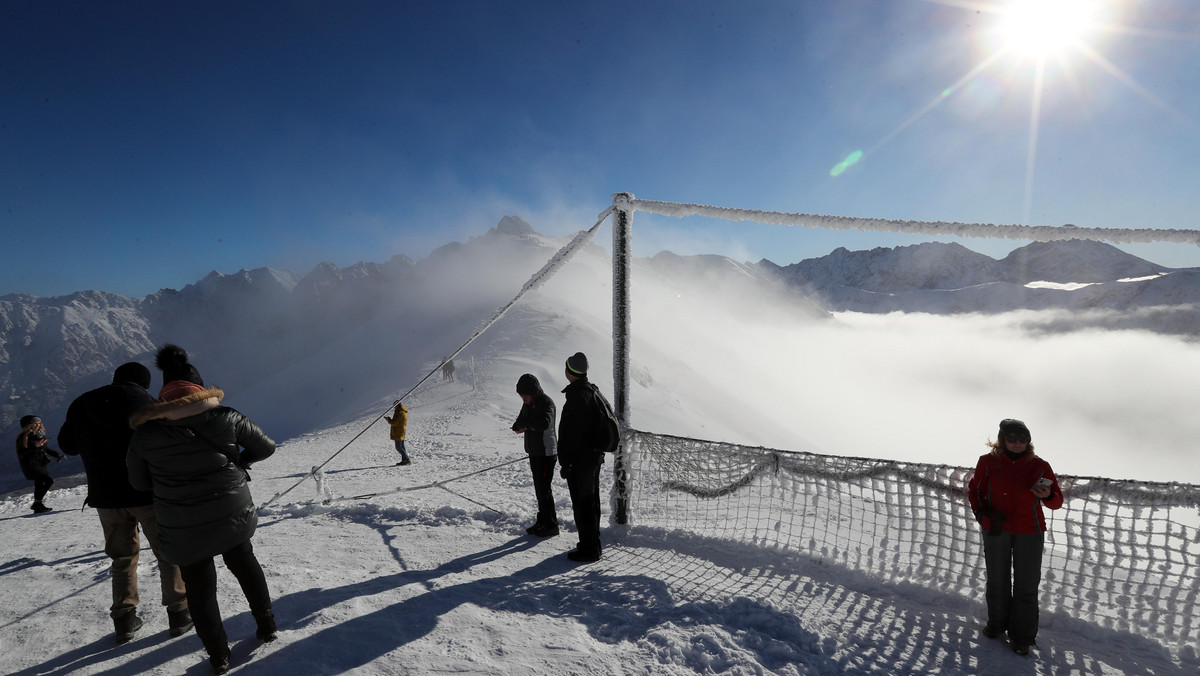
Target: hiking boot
990, 631
543, 530
1020, 648
402, 463
39, 508
180, 621
216, 644
126, 626
219, 662
266, 631
583, 555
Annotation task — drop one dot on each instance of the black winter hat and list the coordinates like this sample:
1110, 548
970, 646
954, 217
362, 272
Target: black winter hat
1013, 426
175, 366
28, 420
528, 384
577, 364
132, 372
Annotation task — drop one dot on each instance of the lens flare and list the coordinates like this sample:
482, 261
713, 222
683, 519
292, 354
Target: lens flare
845, 164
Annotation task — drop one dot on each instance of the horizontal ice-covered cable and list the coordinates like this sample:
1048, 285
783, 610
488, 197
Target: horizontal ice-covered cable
539, 278
1038, 233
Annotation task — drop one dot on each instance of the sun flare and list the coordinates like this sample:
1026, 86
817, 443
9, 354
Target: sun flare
1044, 28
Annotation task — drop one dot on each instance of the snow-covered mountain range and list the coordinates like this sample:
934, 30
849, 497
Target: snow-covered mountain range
277, 336
1105, 286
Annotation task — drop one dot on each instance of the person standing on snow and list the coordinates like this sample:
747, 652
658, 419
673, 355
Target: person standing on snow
185, 448
97, 429
34, 456
536, 422
1007, 492
399, 428
579, 451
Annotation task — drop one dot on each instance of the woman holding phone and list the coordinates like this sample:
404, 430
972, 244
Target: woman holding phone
1007, 492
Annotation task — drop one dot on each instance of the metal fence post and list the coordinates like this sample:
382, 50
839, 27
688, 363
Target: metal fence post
622, 257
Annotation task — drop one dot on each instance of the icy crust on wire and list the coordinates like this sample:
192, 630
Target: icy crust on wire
1037, 233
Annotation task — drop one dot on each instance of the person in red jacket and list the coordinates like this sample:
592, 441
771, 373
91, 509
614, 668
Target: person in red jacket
1007, 492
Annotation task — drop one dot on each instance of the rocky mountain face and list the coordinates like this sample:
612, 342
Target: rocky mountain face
1096, 285
274, 334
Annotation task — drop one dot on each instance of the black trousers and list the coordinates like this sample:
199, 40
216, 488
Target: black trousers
1014, 571
41, 485
200, 578
542, 467
584, 484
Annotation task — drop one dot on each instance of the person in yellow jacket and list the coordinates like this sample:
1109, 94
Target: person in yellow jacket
399, 423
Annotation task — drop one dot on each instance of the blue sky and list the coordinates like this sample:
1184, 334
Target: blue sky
144, 144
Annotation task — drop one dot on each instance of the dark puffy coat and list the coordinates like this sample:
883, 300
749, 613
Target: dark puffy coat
537, 419
97, 429
181, 450
579, 424
33, 458
1000, 489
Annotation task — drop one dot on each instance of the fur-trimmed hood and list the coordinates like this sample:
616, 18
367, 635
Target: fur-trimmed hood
177, 409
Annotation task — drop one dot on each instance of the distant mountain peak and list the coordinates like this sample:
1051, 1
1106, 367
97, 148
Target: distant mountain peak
514, 225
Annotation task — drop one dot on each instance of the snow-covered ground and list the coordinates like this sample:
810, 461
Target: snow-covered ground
427, 569
435, 574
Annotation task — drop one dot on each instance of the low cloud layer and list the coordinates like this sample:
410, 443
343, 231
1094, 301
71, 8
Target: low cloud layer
927, 388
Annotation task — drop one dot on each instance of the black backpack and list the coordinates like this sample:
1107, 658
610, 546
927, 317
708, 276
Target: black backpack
609, 434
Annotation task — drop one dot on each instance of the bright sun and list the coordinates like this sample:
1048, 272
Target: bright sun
1044, 28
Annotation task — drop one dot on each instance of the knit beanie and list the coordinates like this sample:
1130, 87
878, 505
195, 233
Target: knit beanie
577, 364
175, 365
1014, 426
528, 384
132, 372
28, 420
178, 389
179, 376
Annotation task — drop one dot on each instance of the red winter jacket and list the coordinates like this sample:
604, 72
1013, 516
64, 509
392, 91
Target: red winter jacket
1001, 485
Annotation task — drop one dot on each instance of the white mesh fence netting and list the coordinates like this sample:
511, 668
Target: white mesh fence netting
1124, 555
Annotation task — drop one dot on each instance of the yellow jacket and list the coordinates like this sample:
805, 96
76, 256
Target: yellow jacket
399, 423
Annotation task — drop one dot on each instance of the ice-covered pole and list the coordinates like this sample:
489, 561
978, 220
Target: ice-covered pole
622, 255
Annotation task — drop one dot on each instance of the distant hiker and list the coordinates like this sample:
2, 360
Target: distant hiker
399, 423
1007, 493
34, 456
185, 448
536, 422
97, 429
579, 451
448, 370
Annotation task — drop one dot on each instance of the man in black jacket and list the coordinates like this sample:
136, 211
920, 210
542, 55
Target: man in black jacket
97, 428
581, 457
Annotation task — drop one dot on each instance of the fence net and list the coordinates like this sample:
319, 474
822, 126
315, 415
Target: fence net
1124, 555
